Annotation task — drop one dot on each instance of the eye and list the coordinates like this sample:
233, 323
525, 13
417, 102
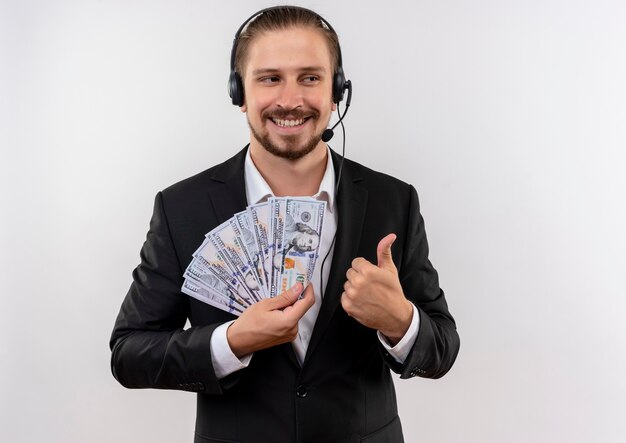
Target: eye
310, 79
269, 79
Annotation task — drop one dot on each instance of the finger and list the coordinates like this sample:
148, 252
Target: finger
383, 252
346, 304
359, 264
348, 289
299, 308
351, 273
285, 298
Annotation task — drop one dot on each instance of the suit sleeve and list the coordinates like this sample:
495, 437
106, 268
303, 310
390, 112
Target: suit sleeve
437, 343
150, 348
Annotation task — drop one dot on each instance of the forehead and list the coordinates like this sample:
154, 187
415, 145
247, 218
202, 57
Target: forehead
288, 49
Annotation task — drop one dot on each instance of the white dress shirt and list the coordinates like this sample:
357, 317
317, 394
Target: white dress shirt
258, 191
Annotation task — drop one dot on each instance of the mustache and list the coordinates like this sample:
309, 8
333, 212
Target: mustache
284, 114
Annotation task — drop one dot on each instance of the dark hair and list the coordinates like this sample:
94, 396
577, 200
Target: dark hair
279, 19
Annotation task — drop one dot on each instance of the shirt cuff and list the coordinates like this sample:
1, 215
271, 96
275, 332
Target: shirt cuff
224, 361
401, 350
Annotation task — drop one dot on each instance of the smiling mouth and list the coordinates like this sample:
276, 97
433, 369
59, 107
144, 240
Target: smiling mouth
289, 123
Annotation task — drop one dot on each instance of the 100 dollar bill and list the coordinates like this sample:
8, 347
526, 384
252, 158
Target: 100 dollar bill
304, 219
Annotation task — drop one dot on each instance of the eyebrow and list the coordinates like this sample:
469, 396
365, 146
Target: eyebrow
320, 69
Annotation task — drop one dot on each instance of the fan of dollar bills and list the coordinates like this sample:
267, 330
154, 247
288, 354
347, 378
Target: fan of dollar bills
258, 253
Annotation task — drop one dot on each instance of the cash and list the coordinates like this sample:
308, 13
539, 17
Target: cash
301, 241
277, 227
257, 253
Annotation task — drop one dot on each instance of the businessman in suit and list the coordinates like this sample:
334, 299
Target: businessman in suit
312, 364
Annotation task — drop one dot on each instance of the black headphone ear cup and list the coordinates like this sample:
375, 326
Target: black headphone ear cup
235, 88
339, 85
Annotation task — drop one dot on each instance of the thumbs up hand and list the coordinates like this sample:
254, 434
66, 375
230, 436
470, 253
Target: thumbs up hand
383, 252
373, 295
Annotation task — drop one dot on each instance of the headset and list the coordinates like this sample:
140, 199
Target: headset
235, 83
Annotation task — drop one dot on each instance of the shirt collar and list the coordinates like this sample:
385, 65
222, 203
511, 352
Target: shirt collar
257, 189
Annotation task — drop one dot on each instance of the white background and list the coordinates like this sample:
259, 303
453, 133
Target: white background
508, 116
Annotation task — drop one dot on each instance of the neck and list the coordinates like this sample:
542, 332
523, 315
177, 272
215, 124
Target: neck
295, 178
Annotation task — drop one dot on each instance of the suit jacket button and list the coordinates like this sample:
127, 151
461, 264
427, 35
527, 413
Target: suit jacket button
301, 391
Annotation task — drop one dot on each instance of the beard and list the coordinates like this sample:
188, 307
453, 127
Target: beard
293, 150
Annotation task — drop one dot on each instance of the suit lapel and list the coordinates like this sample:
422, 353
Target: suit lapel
231, 196
351, 206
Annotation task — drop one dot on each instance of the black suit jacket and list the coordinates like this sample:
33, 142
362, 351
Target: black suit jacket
343, 391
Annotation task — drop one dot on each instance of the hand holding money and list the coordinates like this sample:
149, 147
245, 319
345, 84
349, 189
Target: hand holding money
270, 322
373, 295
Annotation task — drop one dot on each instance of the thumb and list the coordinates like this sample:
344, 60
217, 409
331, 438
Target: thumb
299, 308
383, 251
285, 298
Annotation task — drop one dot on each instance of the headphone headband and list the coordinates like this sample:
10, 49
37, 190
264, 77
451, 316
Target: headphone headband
235, 82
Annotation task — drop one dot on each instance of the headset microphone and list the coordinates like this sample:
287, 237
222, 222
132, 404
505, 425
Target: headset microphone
329, 133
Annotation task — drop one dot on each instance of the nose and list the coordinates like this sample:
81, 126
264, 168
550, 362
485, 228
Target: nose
291, 95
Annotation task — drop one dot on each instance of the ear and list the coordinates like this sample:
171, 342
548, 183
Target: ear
243, 107
334, 107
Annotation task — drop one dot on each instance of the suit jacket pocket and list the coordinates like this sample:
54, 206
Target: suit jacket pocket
390, 433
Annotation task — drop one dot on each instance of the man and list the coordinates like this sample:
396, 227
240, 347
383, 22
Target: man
312, 364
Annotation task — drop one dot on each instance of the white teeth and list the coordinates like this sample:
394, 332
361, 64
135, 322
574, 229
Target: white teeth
288, 123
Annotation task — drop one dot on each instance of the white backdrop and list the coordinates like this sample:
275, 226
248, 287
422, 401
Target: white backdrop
509, 118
